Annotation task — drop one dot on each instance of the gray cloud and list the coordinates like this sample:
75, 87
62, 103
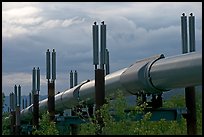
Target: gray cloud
134, 31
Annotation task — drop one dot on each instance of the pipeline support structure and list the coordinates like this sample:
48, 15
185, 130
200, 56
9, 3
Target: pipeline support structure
151, 75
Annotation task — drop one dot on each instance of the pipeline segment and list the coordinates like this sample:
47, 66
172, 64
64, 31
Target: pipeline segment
152, 75
177, 72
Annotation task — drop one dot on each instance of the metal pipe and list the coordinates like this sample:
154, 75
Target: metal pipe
12, 101
34, 81
95, 45
152, 75
75, 78
107, 62
191, 33
184, 33
53, 65
38, 79
177, 72
103, 45
71, 79
16, 98
19, 95
48, 64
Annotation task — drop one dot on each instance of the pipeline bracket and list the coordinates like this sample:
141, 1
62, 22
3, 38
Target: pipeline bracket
148, 76
137, 80
76, 93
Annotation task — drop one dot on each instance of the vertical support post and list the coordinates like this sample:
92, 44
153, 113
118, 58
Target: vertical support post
51, 85
18, 108
154, 101
159, 100
191, 111
35, 100
26, 103
51, 100
99, 88
107, 62
23, 104
99, 95
12, 122
144, 98
71, 79
75, 78
99, 73
48, 77
138, 99
13, 115
103, 44
74, 127
90, 110
190, 91
15, 99
10, 102
17, 128
36, 110
30, 99
19, 96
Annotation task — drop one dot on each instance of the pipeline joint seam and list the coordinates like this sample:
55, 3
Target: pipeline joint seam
148, 76
75, 91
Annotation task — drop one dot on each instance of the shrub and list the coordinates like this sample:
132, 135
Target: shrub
45, 126
122, 123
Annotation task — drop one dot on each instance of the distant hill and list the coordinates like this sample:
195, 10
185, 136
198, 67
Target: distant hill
131, 100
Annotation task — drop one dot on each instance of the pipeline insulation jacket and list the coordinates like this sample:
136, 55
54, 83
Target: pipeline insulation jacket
152, 75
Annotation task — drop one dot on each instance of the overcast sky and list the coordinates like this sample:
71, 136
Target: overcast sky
135, 30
